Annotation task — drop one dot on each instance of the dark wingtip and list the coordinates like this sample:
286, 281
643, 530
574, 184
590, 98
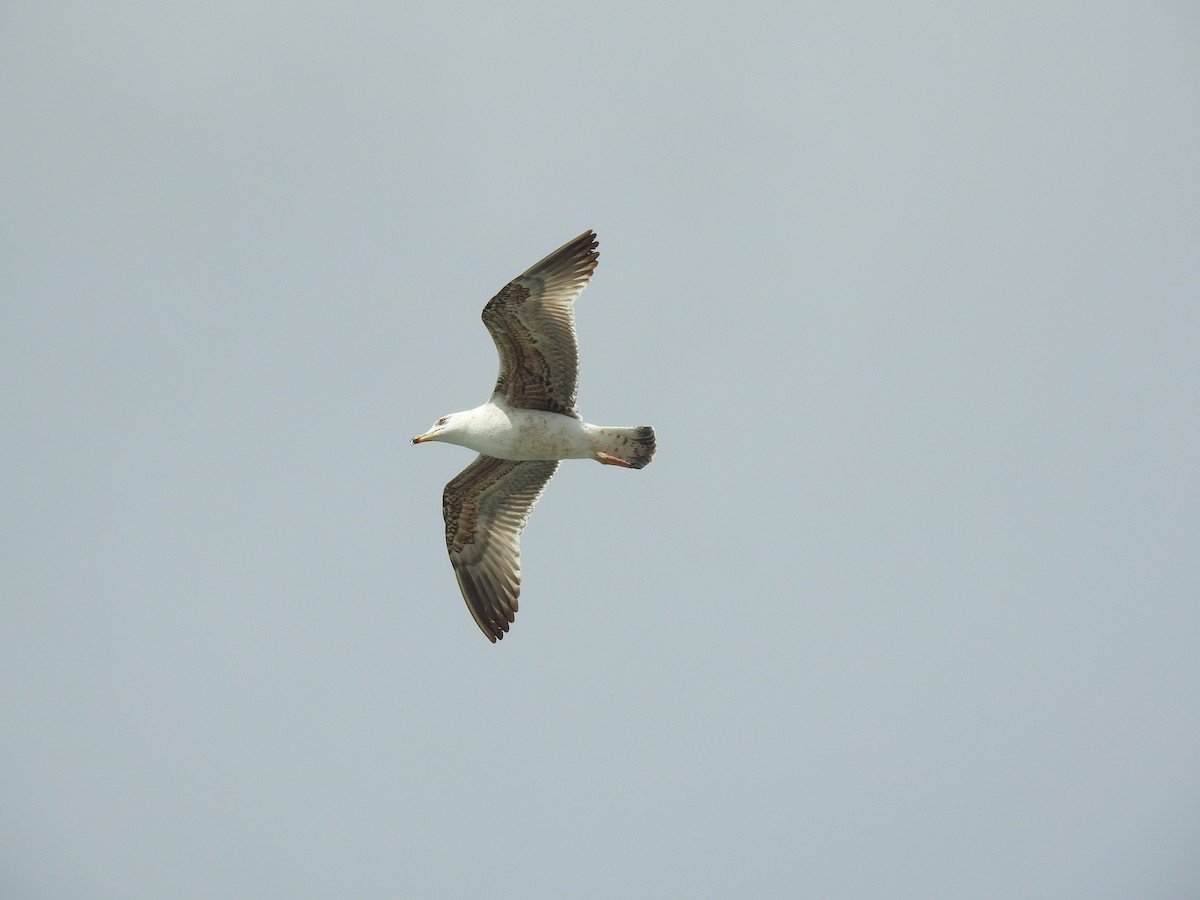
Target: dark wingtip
577, 257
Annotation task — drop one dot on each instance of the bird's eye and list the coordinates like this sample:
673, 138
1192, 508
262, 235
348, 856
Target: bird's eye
441, 421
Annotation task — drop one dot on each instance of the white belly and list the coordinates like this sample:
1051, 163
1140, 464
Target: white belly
533, 434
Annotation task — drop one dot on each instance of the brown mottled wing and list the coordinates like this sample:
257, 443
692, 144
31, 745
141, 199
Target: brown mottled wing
485, 507
532, 321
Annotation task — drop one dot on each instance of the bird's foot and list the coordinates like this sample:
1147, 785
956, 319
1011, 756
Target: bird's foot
609, 460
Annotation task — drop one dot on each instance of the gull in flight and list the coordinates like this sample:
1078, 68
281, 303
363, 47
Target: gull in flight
530, 423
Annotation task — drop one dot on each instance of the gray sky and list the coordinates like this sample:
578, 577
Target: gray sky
906, 605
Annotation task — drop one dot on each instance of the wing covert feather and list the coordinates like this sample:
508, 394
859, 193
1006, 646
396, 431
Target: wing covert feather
485, 508
532, 322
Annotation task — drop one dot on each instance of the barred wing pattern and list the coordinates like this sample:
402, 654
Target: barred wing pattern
532, 321
486, 507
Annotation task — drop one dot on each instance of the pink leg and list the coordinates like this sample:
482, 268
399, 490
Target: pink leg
609, 460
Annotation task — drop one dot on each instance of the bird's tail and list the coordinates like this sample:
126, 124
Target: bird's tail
631, 447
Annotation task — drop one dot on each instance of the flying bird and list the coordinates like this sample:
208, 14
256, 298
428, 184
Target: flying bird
530, 423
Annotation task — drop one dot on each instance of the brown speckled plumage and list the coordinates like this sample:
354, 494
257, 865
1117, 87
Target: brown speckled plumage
530, 423
533, 324
485, 507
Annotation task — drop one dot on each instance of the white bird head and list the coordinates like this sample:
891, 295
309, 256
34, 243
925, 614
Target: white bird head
444, 429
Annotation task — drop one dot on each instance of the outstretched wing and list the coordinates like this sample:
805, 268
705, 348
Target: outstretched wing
532, 321
485, 507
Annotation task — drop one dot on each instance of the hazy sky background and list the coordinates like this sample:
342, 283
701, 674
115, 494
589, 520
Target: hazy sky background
908, 603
